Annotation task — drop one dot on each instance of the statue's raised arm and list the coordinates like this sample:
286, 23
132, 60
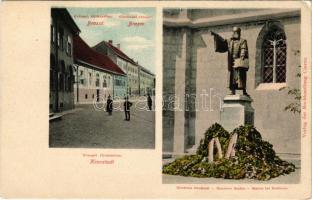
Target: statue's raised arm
220, 43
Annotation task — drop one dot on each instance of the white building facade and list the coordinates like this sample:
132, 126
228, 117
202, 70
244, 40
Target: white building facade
92, 85
96, 75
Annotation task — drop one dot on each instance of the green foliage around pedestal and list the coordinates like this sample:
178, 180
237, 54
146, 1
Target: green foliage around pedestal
216, 130
254, 157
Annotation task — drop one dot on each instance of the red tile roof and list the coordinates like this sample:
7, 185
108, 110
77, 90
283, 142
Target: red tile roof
119, 52
82, 52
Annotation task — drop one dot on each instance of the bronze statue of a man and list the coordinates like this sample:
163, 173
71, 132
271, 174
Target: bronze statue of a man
237, 58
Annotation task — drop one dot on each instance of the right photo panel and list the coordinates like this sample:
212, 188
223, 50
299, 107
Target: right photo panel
231, 96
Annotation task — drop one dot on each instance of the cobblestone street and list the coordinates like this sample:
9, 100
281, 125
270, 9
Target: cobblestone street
91, 128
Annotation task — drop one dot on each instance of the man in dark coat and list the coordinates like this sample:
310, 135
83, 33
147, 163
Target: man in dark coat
127, 105
109, 105
149, 102
237, 59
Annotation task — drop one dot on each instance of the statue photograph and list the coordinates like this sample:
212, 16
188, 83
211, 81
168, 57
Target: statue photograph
237, 58
239, 136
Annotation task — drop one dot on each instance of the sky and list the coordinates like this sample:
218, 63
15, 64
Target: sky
137, 41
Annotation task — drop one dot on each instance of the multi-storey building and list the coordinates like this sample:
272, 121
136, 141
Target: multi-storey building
63, 29
128, 65
133, 79
146, 82
97, 76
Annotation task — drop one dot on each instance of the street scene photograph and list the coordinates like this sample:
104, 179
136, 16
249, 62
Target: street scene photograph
102, 80
232, 97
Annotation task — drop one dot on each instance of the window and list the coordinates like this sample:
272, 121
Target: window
58, 39
274, 54
68, 83
97, 82
69, 46
74, 80
61, 39
82, 78
69, 79
86, 96
90, 78
104, 82
119, 82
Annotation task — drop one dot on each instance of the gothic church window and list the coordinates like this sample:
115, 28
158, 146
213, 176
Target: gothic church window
274, 53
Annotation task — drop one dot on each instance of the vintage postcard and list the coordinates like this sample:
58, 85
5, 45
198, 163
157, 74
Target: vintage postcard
155, 99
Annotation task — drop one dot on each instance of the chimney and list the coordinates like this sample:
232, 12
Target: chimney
118, 46
110, 42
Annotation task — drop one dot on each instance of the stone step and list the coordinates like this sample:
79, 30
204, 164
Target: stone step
51, 115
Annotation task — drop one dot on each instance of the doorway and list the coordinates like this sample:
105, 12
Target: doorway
97, 95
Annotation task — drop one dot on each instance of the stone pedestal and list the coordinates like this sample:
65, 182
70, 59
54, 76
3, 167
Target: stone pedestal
236, 111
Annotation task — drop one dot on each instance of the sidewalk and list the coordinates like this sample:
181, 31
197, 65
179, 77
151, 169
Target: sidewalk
59, 115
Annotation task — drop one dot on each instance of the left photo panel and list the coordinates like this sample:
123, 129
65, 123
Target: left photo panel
102, 78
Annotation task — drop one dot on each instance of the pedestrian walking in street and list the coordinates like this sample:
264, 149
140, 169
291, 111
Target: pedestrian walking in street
127, 106
149, 101
109, 105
